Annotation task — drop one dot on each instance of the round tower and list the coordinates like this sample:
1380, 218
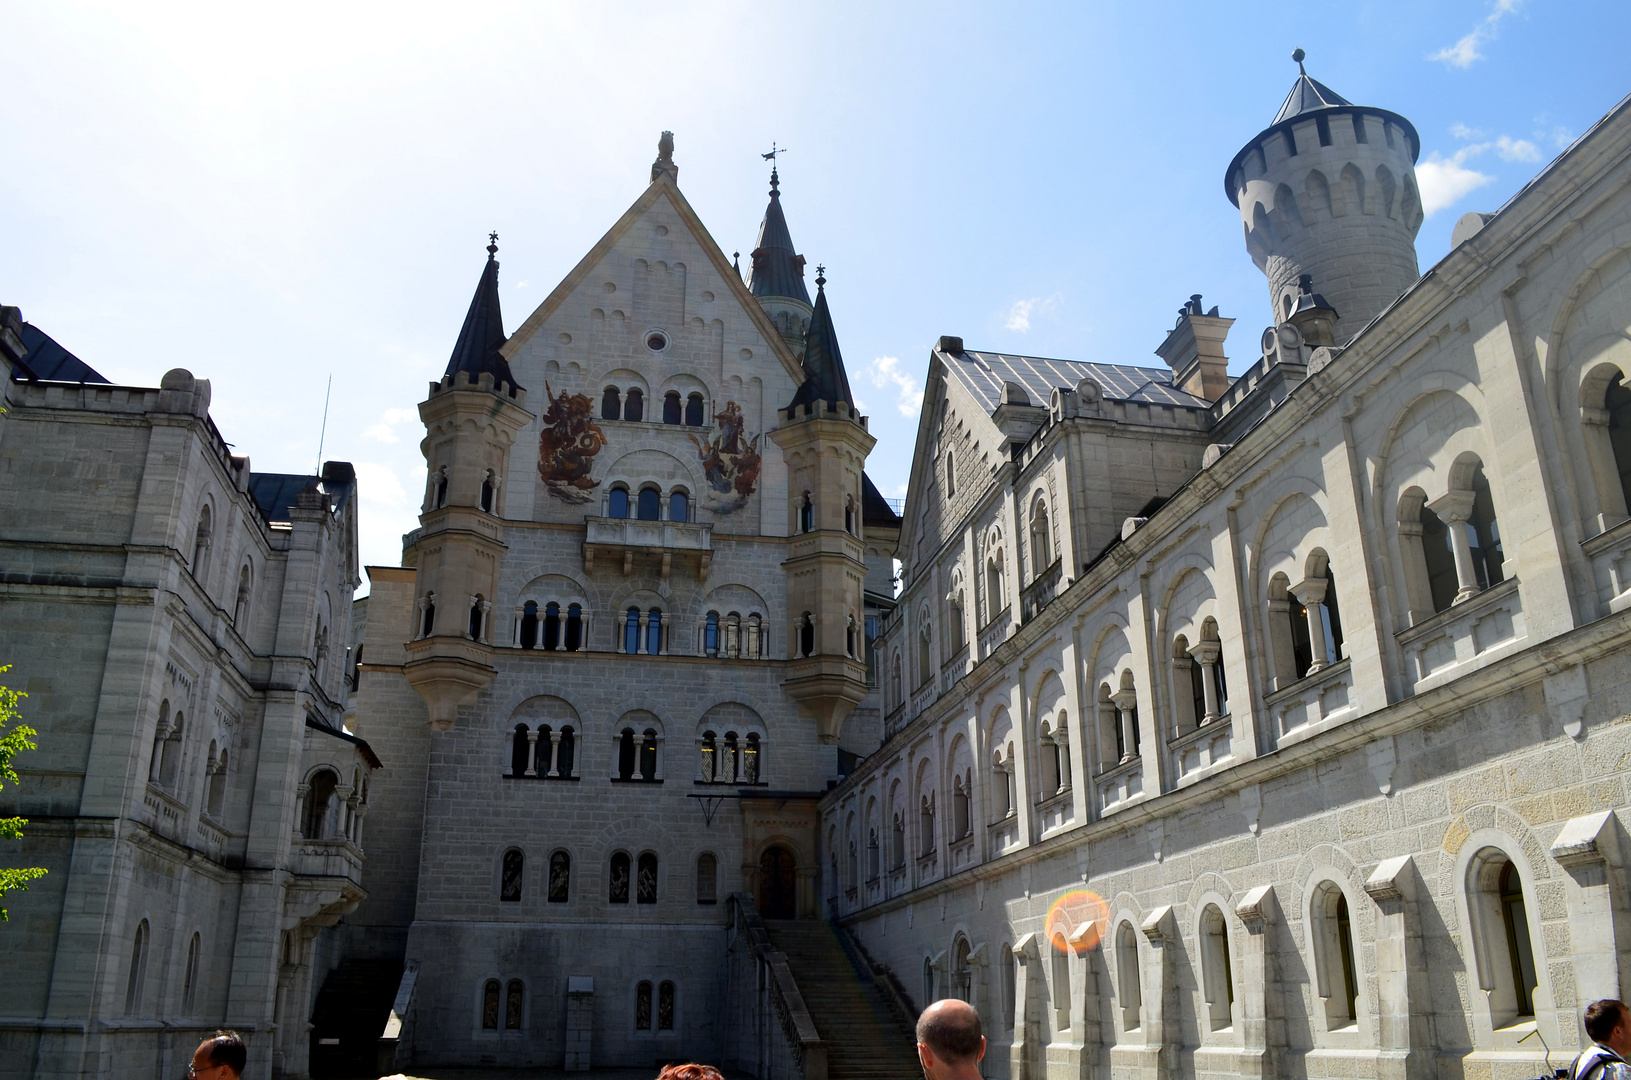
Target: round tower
1328, 190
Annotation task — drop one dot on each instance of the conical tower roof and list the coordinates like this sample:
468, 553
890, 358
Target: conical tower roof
777, 269
481, 337
825, 378
1308, 95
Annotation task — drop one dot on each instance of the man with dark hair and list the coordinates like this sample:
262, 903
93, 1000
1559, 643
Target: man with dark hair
949, 1043
219, 1057
1609, 1025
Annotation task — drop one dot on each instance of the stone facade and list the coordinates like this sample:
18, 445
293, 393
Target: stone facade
1297, 745
178, 623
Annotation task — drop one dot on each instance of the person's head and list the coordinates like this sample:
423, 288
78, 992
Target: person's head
949, 1042
689, 1071
220, 1057
1609, 1023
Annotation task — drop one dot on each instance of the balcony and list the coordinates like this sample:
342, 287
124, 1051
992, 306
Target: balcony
994, 634
1312, 704
923, 697
961, 852
1195, 752
1055, 811
326, 858
954, 669
620, 541
1463, 638
1119, 784
1003, 833
1040, 592
1610, 555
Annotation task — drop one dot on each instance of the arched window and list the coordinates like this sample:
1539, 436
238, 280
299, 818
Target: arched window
138, 970
849, 515
189, 982
634, 404
962, 972
1061, 983
565, 755
1617, 404
1001, 804
610, 405
427, 621
1337, 981
806, 508
478, 618
654, 631
1041, 537
631, 630
679, 506
489, 489
619, 892
489, 1006
671, 407
529, 625
710, 757
874, 855
319, 800
710, 635
642, 1006
574, 628
649, 504
1217, 977
560, 878
645, 885
928, 982
1484, 534
951, 476
648, 755
852, 862
509, 886
665, 1006
925, 821
730, 764
514, 995
807, 636
1128, 983
215, 803
627, 755
170, 750
751, 759
898, 693
898, 841
617, 502
1503, 948
693, 410
925, 656
707, 879
552, 625
994, 598
439, 492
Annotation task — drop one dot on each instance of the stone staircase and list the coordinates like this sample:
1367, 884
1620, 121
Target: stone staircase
866, 1035
352, 1007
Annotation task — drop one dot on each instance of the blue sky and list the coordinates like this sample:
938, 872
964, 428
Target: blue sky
272, 195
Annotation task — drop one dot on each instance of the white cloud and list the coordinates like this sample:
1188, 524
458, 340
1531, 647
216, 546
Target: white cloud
1464, 133
1444, 181
1464, 52
1019, 316
885, 371
384, 430
1510, 149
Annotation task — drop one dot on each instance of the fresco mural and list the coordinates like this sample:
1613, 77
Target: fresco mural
568, 445
730, 459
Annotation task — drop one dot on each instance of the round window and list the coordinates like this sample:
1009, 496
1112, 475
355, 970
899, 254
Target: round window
656, 341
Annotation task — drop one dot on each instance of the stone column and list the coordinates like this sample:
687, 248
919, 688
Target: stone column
1162, 1018
1125, 702
640, 638
1403, 1007
1311, 594
1262, 1030
1207, 653
532, 753
554, 753
515, 628
1454, 509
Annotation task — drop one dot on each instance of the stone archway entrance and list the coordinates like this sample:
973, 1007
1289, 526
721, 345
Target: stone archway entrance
778, 884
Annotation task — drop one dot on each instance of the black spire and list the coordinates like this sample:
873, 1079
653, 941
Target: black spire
777, 269
824, 377
481, 337
1307, 95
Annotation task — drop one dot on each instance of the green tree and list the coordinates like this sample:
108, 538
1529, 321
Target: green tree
12, 743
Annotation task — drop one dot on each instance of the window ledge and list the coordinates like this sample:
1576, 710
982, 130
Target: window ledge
632, 780
1609, 537
1302, 685
1206, 731
1472, 605
541, 776
1120, 769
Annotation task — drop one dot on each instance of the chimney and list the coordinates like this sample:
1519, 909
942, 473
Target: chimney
1194, 351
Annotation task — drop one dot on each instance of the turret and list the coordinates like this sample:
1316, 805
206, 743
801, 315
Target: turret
471, 420
825, 442
1328, 190
776, 277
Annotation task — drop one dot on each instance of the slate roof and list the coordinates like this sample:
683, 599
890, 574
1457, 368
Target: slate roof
482, 335
1308, 95
275, 493
985, 373
824, 379
49, 361
777, 269
875, 509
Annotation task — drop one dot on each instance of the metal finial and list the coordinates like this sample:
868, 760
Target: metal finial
492, 243
821, 275
771, 157
1298, 55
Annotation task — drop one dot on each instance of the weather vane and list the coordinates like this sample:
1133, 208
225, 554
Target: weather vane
771, 157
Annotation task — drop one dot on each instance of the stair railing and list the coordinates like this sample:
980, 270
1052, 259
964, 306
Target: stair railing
394, 1046
760, 984
881, 974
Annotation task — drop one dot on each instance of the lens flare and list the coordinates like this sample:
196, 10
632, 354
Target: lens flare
1076, 920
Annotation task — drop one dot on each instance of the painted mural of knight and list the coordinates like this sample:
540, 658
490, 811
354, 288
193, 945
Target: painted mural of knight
730, 460
567, 446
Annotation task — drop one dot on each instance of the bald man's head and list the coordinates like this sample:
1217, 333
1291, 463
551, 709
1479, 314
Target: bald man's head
951, 1029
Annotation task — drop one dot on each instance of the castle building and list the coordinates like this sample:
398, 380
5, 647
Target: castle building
1277, 725
178, 622
624, 655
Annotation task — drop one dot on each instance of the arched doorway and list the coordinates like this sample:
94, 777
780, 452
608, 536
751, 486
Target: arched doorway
778, 884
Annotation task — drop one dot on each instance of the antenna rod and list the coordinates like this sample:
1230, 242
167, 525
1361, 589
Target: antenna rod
323, 433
